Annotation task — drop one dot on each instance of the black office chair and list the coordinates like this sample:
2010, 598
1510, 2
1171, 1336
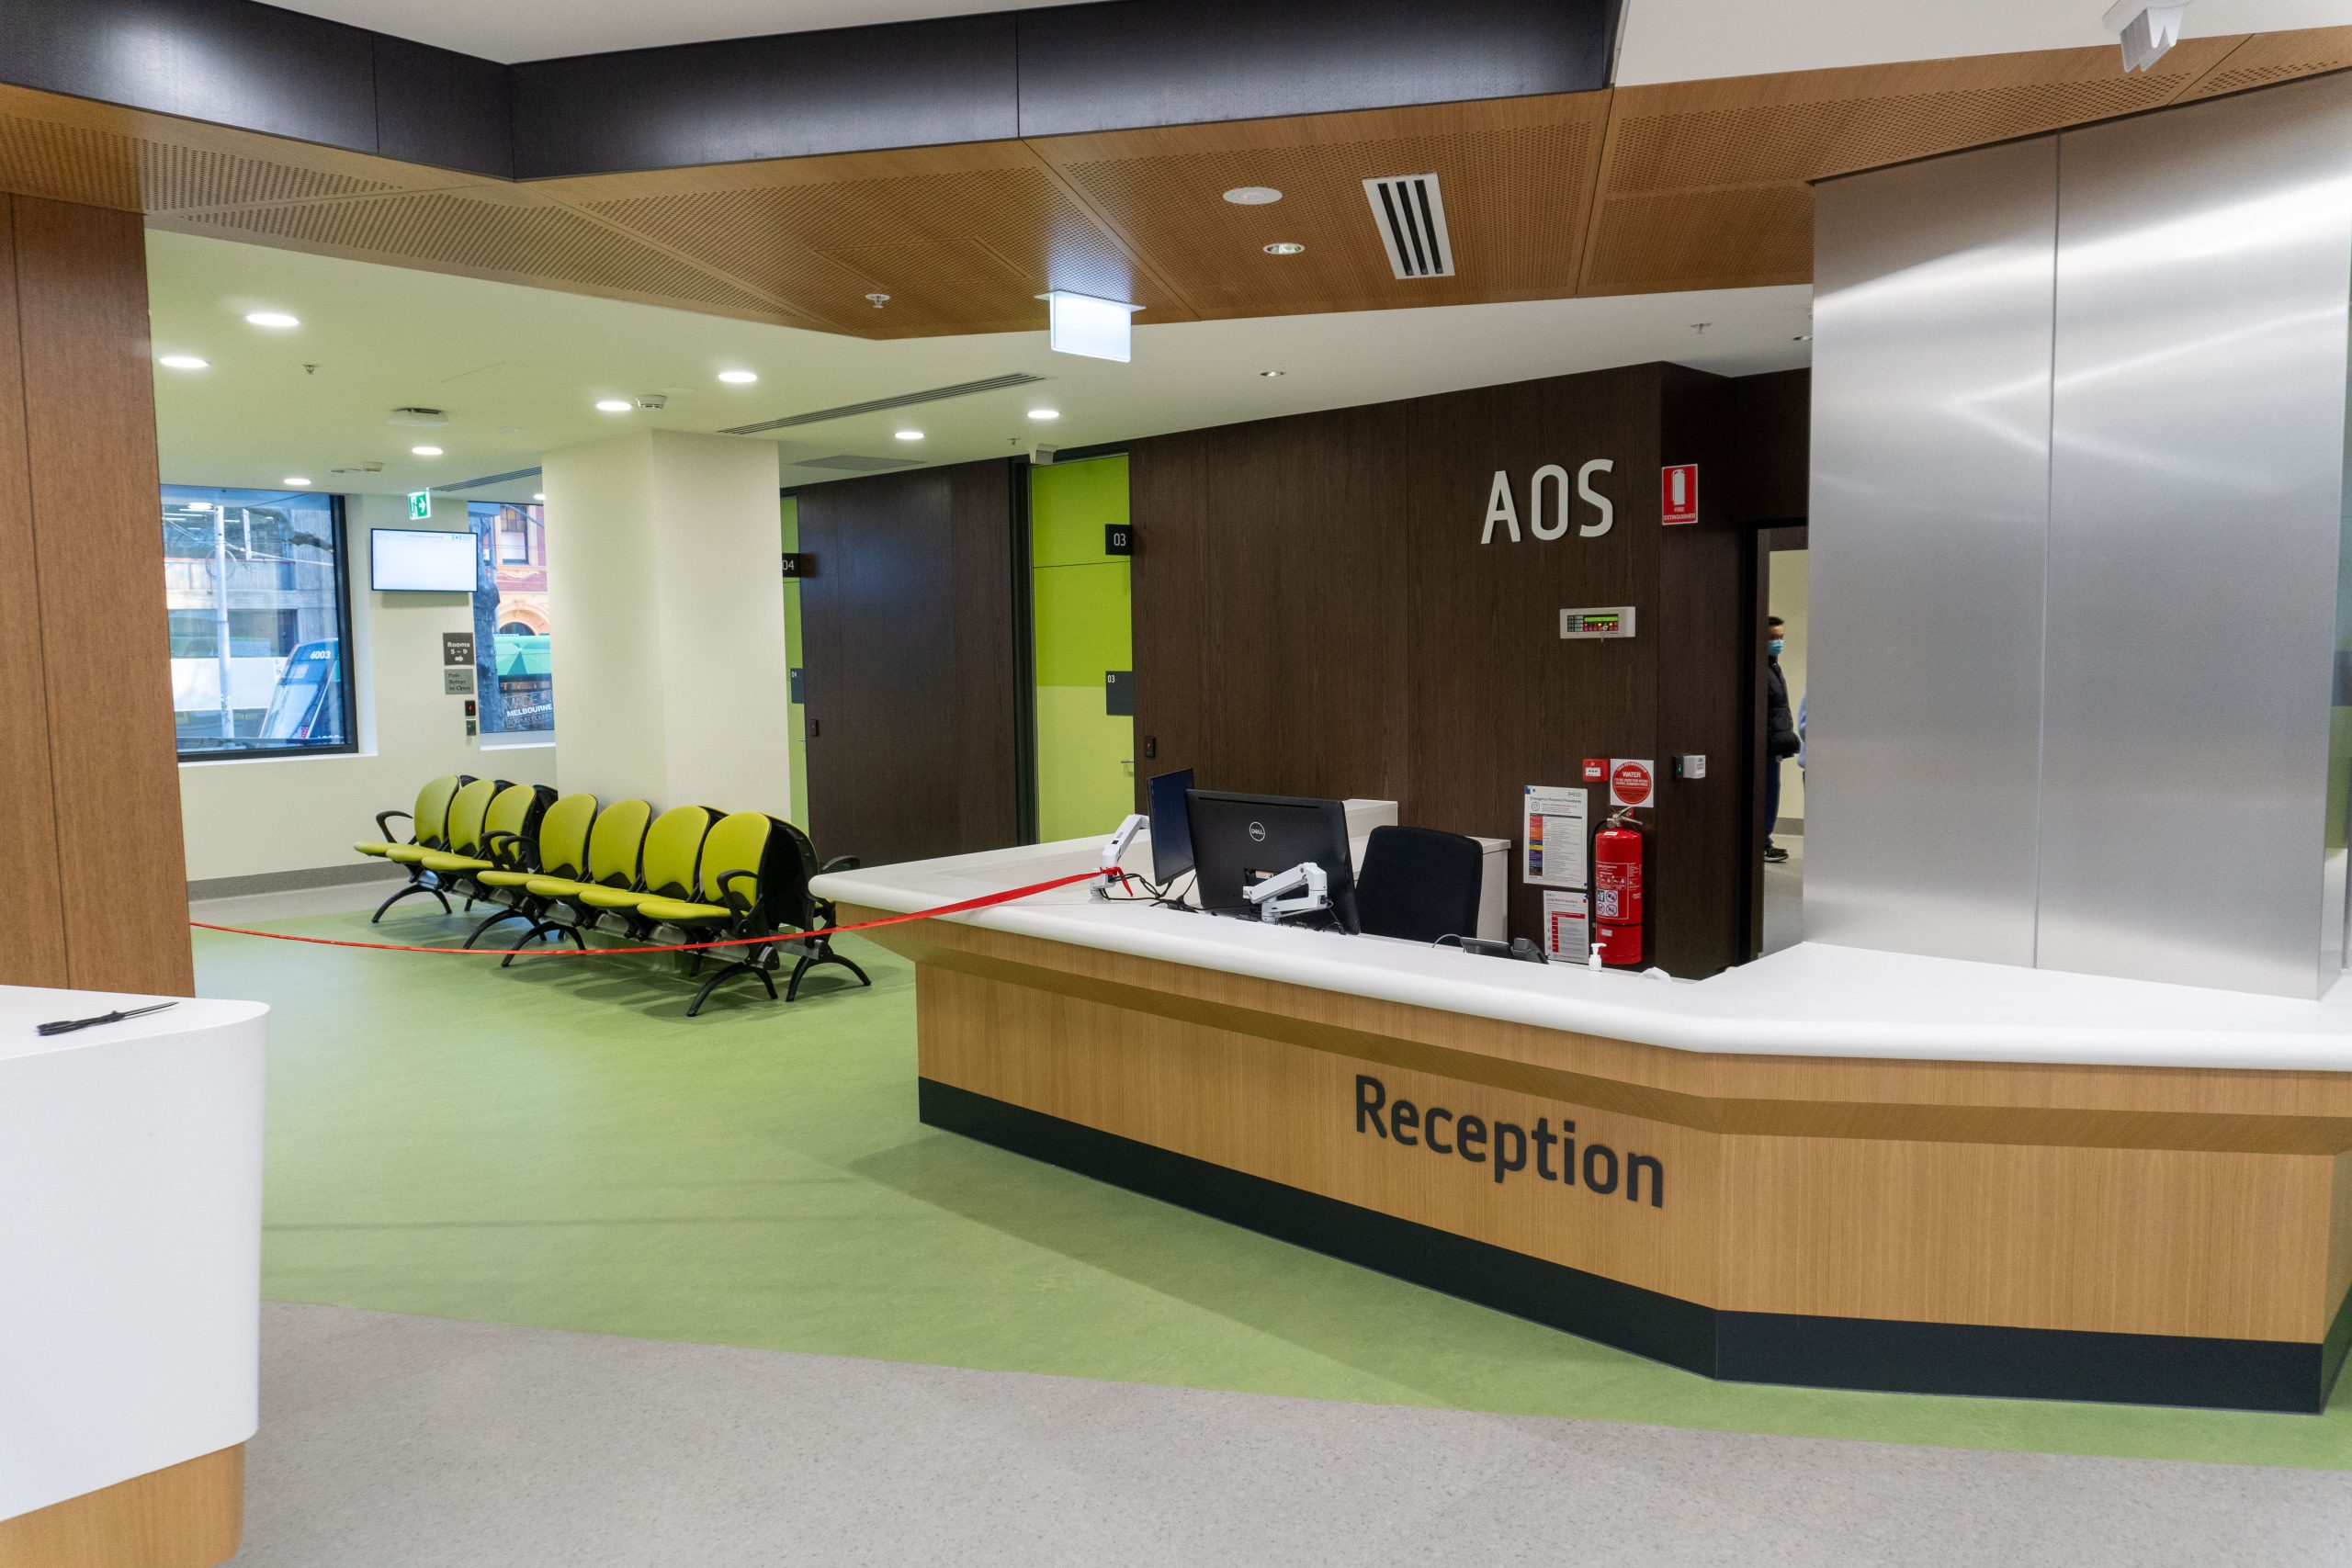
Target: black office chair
1417, 884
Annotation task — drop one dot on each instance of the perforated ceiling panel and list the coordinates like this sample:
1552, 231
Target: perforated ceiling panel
1516, 178
1674, 185
2278, 57
490, 234
1706, 184
964, 247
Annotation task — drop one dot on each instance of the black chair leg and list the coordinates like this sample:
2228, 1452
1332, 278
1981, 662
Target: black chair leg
499, 919
417, 887
539, 930
792, 986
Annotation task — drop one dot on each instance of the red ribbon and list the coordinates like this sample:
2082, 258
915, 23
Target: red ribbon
780, 937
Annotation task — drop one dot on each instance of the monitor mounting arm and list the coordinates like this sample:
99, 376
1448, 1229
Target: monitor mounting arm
1112, 851
1308, 887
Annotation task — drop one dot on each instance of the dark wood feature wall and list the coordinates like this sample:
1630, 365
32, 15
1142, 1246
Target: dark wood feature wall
1315, 615
89, 786
906, 644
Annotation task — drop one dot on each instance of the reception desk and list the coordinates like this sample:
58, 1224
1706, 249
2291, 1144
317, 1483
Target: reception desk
1832, 1167
130, 1160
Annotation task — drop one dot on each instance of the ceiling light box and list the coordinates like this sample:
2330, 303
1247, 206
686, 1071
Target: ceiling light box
1096, 329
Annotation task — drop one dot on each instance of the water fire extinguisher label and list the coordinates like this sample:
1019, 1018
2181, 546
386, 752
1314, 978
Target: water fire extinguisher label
1631, 781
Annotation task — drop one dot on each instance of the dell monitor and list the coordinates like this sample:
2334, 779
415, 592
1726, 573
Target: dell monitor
1239, 841
1171, 827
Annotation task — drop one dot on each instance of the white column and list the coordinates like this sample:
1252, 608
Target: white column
665, 592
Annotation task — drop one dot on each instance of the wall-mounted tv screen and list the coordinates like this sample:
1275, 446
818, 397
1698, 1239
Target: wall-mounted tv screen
420, 560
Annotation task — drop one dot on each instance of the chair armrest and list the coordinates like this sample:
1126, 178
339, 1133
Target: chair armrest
518, 858
728, 877
384, 823
839, 863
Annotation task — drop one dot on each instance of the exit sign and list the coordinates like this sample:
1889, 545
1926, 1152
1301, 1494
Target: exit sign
420, 506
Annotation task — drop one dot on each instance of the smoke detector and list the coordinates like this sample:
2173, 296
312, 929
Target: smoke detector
423, 418
652, 400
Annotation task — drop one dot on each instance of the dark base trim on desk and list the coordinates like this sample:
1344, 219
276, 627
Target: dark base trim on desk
1878, 1354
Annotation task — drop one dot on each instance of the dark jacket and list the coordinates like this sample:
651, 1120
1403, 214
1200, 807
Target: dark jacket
1780, 725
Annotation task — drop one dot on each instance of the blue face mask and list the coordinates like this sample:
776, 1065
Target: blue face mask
1774, 647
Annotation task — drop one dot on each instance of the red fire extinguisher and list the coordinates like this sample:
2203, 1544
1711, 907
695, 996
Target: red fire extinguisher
1617, 893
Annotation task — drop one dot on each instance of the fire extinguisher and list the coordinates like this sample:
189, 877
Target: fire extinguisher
1617, 852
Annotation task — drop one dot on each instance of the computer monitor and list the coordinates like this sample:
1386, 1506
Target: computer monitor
1171, 827
1241, 840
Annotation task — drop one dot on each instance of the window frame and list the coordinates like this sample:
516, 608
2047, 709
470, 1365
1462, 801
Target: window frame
349, 744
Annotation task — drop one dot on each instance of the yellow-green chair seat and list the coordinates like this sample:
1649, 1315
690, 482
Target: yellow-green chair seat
612, 897
429, 820
555, 886
376, 847
679, 912
408, 854
442, 860
509, 878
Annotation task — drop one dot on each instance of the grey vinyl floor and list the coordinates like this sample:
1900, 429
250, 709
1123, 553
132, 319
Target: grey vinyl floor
412, 1442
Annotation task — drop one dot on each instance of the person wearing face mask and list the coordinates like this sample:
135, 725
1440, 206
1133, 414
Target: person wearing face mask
1781, 741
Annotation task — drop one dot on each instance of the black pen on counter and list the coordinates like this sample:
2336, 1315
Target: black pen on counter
68, 1025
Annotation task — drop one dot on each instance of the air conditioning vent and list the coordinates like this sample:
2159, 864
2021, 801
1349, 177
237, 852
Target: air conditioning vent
851, 463
904, 399
1409, 212
423, 418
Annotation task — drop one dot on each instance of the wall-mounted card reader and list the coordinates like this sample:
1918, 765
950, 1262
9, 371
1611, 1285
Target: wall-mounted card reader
1615, 620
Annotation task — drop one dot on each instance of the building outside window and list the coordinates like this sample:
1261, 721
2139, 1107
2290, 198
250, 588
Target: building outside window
254, 590
515, 617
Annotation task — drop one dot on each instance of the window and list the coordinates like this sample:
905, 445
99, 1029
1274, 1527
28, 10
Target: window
512, 623
253, 592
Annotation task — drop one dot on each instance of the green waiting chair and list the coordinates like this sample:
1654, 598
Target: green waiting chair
673, 853
428, 824
616, 850
754, 883
514, 814
559, 849
462, 831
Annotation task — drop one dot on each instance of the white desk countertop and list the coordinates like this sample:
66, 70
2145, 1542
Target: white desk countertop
1810, 1000
129, 1239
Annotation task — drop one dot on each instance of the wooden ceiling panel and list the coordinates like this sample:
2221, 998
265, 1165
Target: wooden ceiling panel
2264, 58
491, 232
1675, 186
1517, 176
961, 239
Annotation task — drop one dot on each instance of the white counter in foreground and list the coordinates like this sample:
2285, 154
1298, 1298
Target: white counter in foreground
1811, 1000
131, 1158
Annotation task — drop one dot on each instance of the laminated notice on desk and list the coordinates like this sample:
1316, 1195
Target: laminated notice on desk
1567, 927
1553, 823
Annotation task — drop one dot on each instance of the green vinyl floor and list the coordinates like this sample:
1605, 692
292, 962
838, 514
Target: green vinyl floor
556, 1145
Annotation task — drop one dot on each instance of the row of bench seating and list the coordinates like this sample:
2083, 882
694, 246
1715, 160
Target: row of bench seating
567, 865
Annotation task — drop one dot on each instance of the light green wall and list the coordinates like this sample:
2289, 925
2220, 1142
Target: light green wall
1082, 615
796, 717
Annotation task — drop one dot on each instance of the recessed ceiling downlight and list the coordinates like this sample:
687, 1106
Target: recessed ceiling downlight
1044, 413
614, 405
1269, 374
538, 495
297, 481
425, 451
910, 434
1253, 195
278, 319
739, 378
184, 362
1285, 248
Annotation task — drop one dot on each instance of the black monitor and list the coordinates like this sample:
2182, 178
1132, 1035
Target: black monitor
1241, 840
1171, 827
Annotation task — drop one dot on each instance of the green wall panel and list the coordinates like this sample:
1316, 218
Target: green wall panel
1083, 622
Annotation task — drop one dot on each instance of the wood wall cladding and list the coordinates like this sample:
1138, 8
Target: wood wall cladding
184, 1515
907, 635
1317, 613
101, 726
1640, 189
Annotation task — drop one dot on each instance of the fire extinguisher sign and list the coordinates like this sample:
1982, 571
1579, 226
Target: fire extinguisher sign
1631, 781
1678, 494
